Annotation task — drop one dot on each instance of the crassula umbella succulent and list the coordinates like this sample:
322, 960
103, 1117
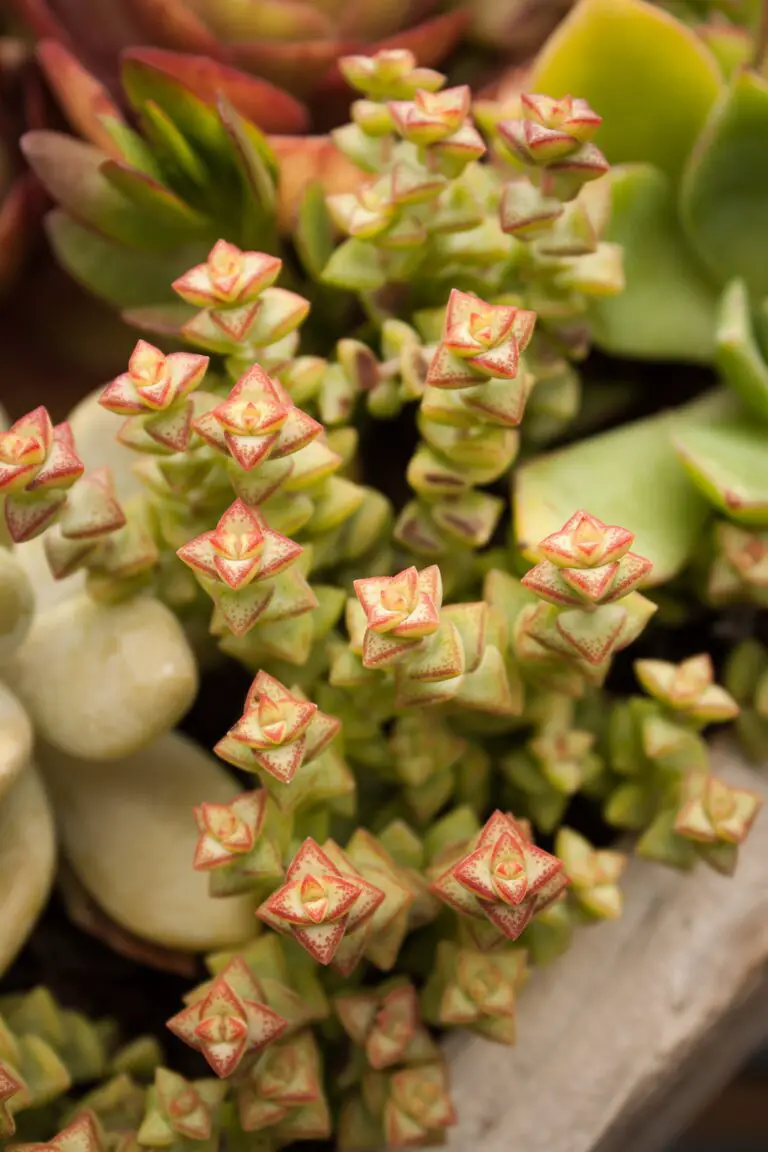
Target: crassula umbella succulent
432, 680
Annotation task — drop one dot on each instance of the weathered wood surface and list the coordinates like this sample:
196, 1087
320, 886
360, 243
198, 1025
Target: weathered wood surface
625, 1038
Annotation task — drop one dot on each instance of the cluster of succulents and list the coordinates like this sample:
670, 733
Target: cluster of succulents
329, 462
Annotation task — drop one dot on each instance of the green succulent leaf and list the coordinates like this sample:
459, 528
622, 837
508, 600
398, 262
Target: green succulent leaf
737, 353
729, 464
630, 475
649, 76
668, 307
724, 195
121, 275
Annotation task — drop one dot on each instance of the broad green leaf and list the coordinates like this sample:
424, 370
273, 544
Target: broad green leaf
649, 76
123, 276
724, 194
738, 355
729, 463
629, 476
259, 173
667, 309
158, 203
71, 171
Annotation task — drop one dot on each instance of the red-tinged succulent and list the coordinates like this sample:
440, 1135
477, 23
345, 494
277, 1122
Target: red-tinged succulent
10, 1086
83, 1134
258, 422
739, 570
282, 1094
417, 1107
386, 1023
154, 395
179, 1110
318, 903
278, 732
236, 845
593, 874
405, 606
431, 116
480, 341
476, 990
229, 278
687, 689
588, 582
554, 138
237, 562
226, 1021
297, 47
503, 879
715, 812
38, 464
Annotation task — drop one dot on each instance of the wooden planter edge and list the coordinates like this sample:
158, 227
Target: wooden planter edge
629, 1034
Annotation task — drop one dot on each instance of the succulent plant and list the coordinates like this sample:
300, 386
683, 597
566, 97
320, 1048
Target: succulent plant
295, 47
303, 471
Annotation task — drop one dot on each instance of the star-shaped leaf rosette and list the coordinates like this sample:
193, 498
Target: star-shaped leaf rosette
437, 654
241, 312
83, 1134
687, 690
12, 1088
591, 610
593, 874
476, 990
278, 737
239, 564
716, 818
474, 400
239, 843
554, 139
226, 1020
326, 904
405, 1108
259, 428
38, 466
154, 395
501, 882
385, 1022
281, 1094
180, 1112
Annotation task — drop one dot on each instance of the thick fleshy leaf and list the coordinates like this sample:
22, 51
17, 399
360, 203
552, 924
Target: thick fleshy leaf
302, 162
738, 355
725, 216
70, 170
667, 309
665, 511
648, 75
120, 275
120, 847
27, 860
728, 461
175, 72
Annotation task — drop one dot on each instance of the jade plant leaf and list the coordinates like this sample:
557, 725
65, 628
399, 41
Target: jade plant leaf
126, 830
729, 463
738, 355
630, 475
649, 76
27, 860
668, 307
725, 212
